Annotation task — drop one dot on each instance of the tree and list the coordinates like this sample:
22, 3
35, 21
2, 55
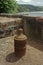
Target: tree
8, 6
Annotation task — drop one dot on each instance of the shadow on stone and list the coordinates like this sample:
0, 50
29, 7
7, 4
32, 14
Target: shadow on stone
12, 58
36, 44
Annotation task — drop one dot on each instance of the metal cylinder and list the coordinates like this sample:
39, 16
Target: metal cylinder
20, 43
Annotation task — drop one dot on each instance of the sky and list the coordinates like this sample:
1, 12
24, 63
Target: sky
33, 2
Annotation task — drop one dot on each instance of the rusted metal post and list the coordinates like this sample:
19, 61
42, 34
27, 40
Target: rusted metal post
20, 43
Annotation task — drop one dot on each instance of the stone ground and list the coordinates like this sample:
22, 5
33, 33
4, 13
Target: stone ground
6, 19
33, 56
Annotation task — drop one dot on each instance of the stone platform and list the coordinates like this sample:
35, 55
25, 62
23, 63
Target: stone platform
33, 56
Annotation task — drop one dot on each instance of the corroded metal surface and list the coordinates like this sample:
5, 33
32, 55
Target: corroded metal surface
20, 41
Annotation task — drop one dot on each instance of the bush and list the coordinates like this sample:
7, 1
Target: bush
8, 6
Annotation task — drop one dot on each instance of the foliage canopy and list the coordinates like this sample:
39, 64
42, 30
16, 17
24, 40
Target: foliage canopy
8, 6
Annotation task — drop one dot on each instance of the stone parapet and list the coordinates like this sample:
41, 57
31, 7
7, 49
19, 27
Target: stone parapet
9, 25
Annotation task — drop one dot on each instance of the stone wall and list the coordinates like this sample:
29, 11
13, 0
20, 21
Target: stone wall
33, 27
9, 24
11, 15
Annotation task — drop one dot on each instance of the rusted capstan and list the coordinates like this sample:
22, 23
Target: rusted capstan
20, 41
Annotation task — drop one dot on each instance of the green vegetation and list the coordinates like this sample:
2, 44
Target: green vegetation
11, 6
8, 6
27, 8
